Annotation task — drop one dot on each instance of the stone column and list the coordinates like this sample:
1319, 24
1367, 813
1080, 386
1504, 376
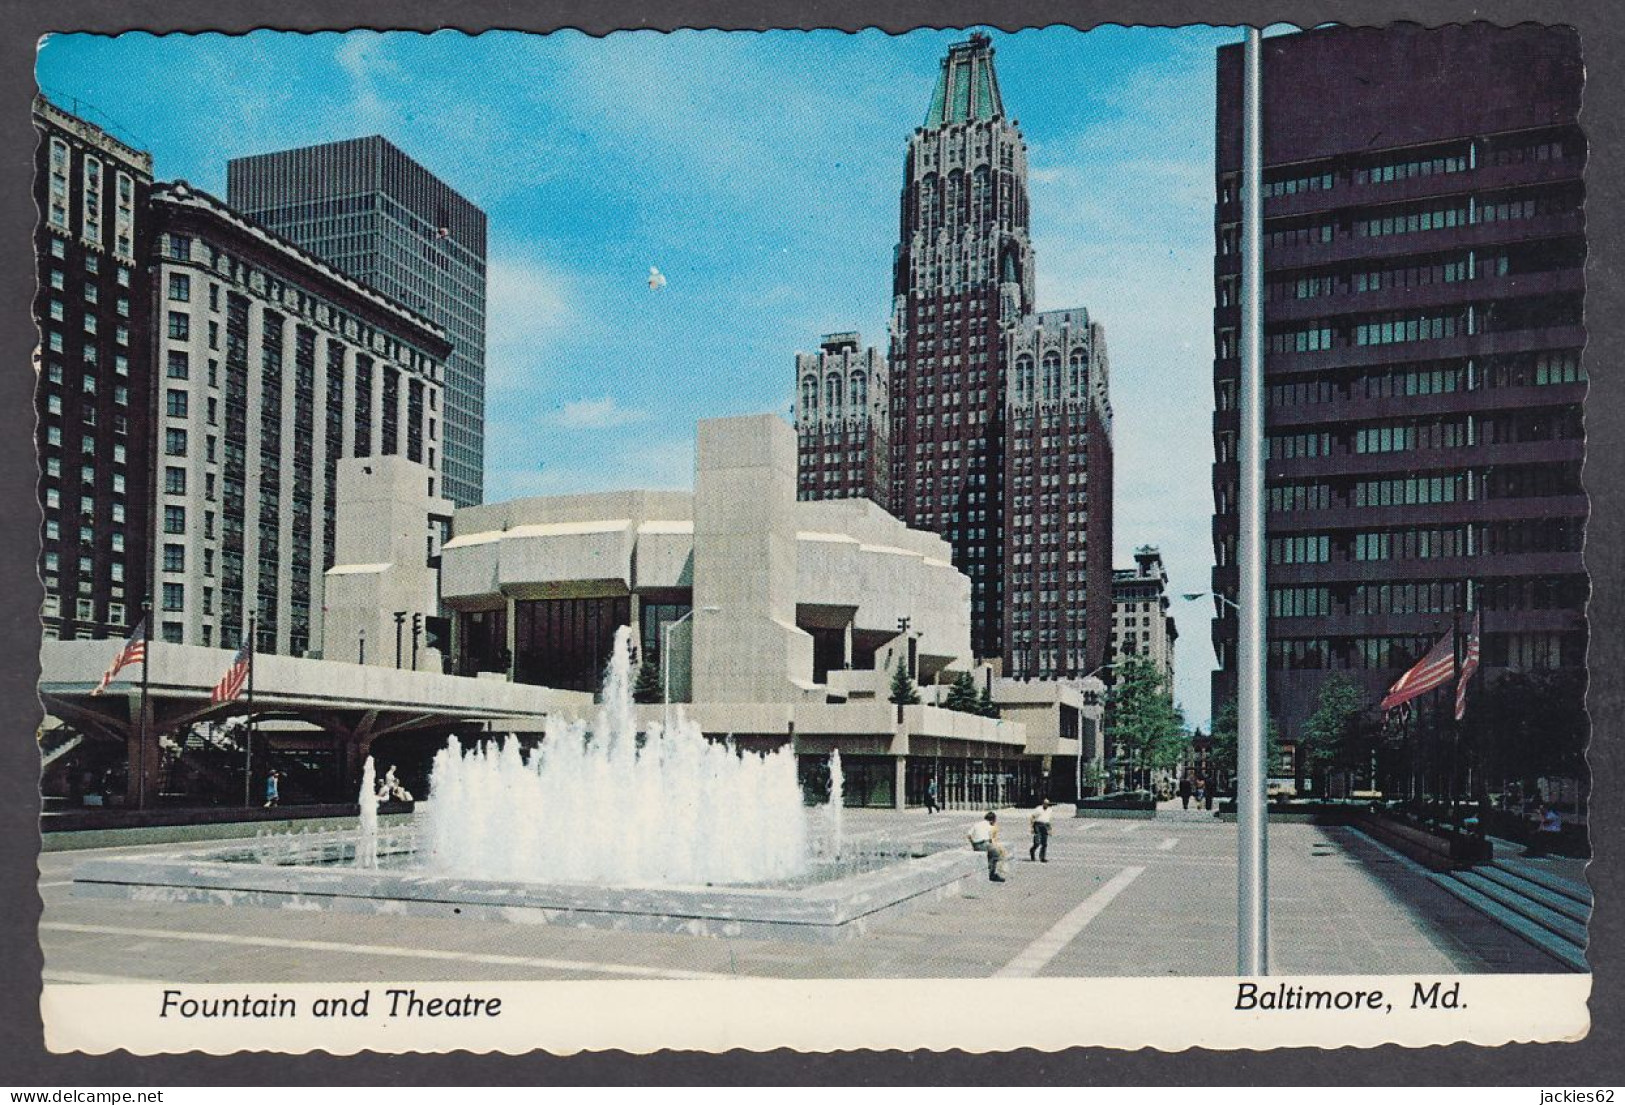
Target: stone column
899, 797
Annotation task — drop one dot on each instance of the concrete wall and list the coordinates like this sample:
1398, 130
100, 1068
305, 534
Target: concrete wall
381, 565
748, 649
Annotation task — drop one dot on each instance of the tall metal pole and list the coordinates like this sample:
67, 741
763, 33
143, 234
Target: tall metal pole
248, 733
1252, 871
141, 748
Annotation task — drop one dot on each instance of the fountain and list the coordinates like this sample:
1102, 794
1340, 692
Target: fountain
601, 825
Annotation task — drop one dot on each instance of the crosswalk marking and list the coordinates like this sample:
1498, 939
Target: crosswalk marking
1168, 843
1035, 956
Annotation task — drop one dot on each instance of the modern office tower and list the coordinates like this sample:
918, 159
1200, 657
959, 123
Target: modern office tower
93, 401
843, 422
1424, 243
1058, 604
366, 208
274, 365
1141, 624
962, 273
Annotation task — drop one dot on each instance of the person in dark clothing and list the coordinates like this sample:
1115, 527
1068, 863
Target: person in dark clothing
1185, 792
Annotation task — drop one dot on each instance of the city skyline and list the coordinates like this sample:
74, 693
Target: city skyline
1120, 196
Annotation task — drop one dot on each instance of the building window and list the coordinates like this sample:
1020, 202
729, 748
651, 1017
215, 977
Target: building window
180, 365
60, 160
175, 442
174, 519
92, 228
180, 247
172, 633
85, 610
174, 559
176, 404
180, 287
180, 326
174, 480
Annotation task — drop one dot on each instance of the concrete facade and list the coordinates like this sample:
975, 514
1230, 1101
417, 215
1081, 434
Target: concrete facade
386, 552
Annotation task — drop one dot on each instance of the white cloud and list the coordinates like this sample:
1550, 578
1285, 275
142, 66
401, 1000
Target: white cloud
529, 305
595, 414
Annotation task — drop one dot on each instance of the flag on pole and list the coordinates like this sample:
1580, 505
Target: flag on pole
231, 684
133, 652
1435, 669
1469, 664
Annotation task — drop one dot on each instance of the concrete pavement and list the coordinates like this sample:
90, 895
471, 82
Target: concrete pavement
1118, 898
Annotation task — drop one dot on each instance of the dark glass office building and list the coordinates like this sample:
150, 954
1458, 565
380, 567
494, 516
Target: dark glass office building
1424, 244
365, 207
94, 394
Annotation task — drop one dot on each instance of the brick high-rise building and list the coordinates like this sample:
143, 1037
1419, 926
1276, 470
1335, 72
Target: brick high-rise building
93, 398
843, 421
984, 456
366, 208
1424, 244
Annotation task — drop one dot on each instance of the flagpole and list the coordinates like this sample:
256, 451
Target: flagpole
141, 725
248, 735
1456, 645
1252, 867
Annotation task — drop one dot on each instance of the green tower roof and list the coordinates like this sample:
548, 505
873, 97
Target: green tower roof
967, 87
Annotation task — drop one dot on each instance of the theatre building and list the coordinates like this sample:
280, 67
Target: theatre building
785, 621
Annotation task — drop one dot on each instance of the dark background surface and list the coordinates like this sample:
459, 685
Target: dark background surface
23, 1060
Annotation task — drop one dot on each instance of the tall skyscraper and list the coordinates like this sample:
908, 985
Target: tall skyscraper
1424, 244
274, 366
93, 399
365, 207
992, 460
843, 418
1141, 624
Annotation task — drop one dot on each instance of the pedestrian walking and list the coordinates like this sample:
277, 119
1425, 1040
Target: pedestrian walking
931, 805
984, 837
273, 791
1185, 792
1040, 822
1201, 791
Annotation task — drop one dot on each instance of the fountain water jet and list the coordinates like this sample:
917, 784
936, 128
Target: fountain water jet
597, 805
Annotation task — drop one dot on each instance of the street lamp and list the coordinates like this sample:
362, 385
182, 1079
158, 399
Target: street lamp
1191, 596
665, 661
1077, 786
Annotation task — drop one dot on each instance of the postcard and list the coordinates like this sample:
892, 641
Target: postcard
961, 539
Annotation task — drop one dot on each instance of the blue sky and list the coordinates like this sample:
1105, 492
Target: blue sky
761, 173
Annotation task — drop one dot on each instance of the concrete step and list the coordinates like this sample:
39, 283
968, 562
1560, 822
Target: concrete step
1536, 872
1564, 951
1515, 899
1569, 907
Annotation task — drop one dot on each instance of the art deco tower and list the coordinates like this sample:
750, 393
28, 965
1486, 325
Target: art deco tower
963, 275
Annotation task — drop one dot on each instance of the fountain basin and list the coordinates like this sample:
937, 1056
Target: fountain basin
831, 909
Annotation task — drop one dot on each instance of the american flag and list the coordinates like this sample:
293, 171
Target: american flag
1435, 669
133, 652
1468, 665
236, 677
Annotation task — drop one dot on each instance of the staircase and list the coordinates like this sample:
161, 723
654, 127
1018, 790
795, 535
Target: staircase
1544, 906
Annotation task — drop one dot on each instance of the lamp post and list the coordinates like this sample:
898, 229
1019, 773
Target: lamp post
400, 620
1191, 596
1077, 786
665, 661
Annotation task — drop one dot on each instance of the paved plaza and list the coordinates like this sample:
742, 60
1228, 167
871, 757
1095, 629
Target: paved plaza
1117, 898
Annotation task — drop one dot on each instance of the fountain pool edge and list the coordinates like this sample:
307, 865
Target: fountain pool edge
823, 912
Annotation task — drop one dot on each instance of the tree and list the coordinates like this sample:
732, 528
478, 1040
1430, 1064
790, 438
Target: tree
1141, 719
962, 695
1339, 734
1224, 740
984, 704
903, 692
647, 687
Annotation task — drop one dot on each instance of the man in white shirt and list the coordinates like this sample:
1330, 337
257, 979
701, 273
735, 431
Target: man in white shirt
1040, 821
984, 837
